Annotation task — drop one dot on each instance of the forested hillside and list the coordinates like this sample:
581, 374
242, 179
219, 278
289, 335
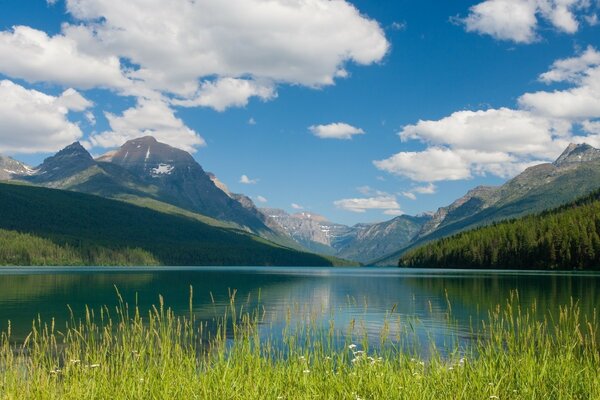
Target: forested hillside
564, 238
40, 226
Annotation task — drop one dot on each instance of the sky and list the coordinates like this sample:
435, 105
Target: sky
357, 110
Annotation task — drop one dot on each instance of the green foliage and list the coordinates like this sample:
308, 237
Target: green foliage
123, 353
68, 228
25, 249
564, 238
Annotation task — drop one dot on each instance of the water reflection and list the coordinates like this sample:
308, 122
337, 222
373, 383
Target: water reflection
343, 297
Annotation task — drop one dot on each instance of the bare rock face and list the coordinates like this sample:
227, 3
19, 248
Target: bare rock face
68, 162
11, 168
361, 242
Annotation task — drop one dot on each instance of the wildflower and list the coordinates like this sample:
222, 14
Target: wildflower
450, 369
55, 371
306, 371
352, 346
494, 397
94, 365
302, 358
75, 361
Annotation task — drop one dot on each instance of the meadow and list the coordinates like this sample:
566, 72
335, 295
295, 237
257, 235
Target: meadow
121, 353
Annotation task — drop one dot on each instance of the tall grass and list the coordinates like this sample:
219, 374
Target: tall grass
121, 354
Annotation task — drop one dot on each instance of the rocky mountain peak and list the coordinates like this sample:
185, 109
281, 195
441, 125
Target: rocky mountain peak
149, 157
9, 168
577, 153
67, 162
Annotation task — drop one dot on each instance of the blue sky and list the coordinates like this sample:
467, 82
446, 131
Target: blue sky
253, 98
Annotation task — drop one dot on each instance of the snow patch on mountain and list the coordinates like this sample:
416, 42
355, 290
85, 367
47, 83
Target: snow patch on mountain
162, 169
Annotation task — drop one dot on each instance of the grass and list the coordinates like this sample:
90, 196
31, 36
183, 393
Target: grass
121, 354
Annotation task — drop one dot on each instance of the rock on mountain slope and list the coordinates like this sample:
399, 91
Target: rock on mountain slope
144, 169
10, 167
574, 174
361, 242
371, 241
312, 231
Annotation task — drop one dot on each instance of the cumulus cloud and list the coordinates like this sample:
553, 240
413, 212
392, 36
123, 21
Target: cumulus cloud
519, 20
148, 118
31, 121
227, 51
504, 141
433, 164
505, 130
228, 92
580, 102
203, 53
337, 130
383, 201
430, 188
296, 206
247, 181
32, 55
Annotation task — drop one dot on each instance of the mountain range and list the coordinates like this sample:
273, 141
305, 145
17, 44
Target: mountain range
148, 173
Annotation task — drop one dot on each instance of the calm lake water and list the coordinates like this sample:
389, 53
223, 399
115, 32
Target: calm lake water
367, 296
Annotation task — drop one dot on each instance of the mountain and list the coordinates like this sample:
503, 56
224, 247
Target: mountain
372, 241
62, 166
311, 230
10, 167
145, 171
545, 186
361, 242
564, 238
40, 226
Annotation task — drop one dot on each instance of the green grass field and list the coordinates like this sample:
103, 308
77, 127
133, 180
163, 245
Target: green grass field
116, 353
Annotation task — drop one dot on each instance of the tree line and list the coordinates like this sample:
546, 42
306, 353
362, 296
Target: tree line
564, 238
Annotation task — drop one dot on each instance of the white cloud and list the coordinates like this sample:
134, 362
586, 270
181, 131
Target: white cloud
572, 69
247, 181
427, 189
148, 118
91, 118
229, 92
394, 213
337, 130
261, 199
251, 121
296, 206
433, 164
31, 121
409, 195
504, 130
577, 103
244, 47
591, 127
32, 55
385, 202
504, 141
504, 19
519, 20
592, 20
430, 188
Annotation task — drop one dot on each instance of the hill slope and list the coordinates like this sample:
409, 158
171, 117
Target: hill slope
565, 238
574, 174
78, 229
144, 169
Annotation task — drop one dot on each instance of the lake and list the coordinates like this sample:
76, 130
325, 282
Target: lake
372, 298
